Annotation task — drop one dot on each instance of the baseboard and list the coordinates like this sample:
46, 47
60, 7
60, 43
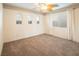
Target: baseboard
25, 38
55, 36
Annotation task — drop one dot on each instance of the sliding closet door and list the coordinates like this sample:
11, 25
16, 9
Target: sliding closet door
76, 25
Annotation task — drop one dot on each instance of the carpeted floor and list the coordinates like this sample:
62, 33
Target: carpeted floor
41, 45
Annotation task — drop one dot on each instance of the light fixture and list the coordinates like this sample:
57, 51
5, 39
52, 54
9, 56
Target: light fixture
50, 7
44, 7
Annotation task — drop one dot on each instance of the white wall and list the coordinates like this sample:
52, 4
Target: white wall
13, 31
57, 31
1, 28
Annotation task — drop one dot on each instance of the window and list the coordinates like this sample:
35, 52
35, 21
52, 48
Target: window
18, 18
61, 20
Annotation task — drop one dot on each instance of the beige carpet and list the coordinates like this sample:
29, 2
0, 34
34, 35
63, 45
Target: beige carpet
41, 45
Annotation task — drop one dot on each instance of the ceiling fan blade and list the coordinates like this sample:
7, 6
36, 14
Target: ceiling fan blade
56, 5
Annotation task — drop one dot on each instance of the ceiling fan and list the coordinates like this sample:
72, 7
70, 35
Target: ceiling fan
46, 6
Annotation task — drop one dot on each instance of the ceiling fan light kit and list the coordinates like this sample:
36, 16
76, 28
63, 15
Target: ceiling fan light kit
45, 7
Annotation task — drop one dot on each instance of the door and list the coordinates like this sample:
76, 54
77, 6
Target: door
76, 25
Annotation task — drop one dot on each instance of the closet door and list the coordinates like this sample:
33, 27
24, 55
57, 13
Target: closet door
76, 25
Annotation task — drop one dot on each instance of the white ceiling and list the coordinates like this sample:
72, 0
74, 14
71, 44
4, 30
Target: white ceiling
32, 6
